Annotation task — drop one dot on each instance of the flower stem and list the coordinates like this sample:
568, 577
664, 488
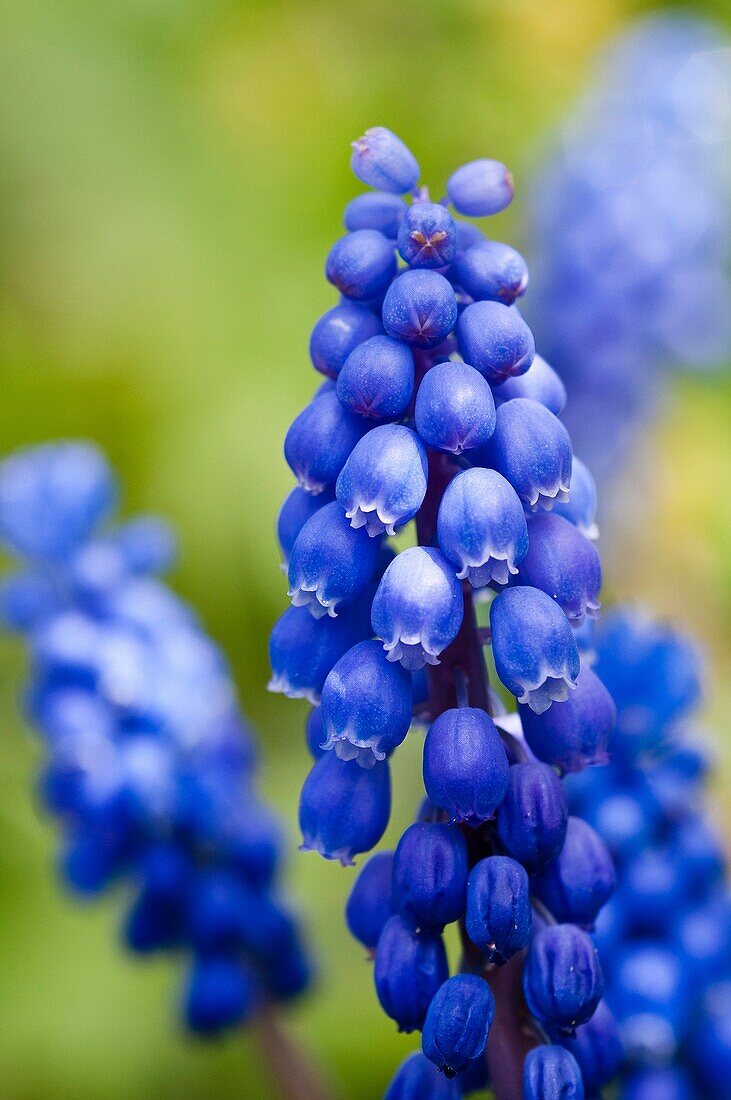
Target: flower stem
293, 1075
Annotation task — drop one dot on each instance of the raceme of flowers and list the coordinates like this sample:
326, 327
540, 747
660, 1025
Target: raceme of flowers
149, 765
436, 410
631, 231
665, 936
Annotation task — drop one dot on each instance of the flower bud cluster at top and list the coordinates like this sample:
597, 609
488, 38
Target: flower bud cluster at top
631, 232
436, 409
149, 765
665, 936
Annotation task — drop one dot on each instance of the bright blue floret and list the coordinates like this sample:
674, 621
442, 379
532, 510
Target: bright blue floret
150, 766
564, 564
551, 1073
495, 339
531, 448
465, 765
303, 649
366, 705
420, 308
370, 903
491, 271
380, 159
298, 507
383, 483
499, 919
532, 818
455, 410
427, 236
338, 333
430, 875
480, 188
377, 379
482, 528
319, 442
540, 383
380, 210
562, 979
409, 969
344, 809
457, 1023
361, 264
576, 734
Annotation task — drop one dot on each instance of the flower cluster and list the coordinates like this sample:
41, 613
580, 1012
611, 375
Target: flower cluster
436, 409
665, 936
631, 230
149, 765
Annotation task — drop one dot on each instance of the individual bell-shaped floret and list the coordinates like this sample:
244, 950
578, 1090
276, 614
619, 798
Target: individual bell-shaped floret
409, 969
457, 1024
369, 903
418, 1078
381, 210
540, 383
430, 875
52, 497
465, 765
331, 562
580, 508
563, 563
298, 507
481, 527
344, 809
551, 1073
532, 449
420, 308
380, 159
319, 441
535, 651
496, 340
338, 332
383, 483
531, 821
480, 188
574, 735
454, 409
427, 235
499, 918
597, 1048
417, 610
491, 271
366, 705
581, 879
220, 993
361, 265
562, 977
377, 379
303, 649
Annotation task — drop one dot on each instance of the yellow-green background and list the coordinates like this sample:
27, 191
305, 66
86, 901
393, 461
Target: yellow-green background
171, 176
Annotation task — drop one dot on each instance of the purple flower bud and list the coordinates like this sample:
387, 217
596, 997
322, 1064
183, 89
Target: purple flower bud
491, 271
427, 235
499, 919
454, 409
420, 308
480, 188
551, 1073
465, 765
457, 1023
531, 821
574, 735
344, 809
481, 527
535, 652
331, 562
532, 449
369, 904
298, 507
383, 483
409, 969
562, 978
430, 875
417, 609
380, 159
377, 379
580, 880
381, 210
580, 508
597, 1048
303, 649
361, 264
338, 333
417, 1078
539, 383
496, 340
366, 705
319, 441
564, 564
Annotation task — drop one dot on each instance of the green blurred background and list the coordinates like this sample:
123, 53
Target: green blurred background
172, 175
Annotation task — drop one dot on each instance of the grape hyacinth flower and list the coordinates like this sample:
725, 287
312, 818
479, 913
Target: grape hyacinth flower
149, 765
629, 233
467, 443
